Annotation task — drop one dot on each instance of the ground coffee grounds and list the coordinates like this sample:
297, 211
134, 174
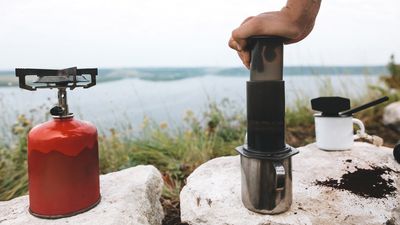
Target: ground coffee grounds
364, 182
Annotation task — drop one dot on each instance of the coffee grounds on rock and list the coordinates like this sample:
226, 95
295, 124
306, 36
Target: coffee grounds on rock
368, 183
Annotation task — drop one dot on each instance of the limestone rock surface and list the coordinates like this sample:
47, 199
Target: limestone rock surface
129, 196
213, 191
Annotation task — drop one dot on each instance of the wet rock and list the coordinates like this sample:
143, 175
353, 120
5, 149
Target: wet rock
212, 194
130, 196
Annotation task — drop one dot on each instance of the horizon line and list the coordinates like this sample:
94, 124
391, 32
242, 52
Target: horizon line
203, 67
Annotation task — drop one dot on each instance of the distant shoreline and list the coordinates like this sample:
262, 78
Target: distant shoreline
7, 78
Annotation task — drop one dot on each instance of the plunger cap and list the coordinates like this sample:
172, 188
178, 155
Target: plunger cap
330, 106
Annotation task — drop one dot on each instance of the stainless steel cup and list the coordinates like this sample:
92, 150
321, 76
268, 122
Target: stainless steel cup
266, 184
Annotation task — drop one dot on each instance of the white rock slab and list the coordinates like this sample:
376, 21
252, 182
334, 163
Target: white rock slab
391, 115
212, 194
130, 196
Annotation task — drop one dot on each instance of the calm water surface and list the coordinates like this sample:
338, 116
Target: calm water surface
126, 102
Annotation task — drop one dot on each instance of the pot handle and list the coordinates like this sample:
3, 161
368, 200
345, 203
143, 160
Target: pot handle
280, 175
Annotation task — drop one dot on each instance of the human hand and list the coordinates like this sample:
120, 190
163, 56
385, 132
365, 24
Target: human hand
294, 22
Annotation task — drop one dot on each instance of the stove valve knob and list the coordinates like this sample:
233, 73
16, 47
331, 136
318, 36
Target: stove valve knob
56, 111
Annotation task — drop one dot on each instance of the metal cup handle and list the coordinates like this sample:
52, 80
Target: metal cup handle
361, 132
280, 175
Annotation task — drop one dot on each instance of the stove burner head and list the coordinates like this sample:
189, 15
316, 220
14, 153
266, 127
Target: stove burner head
65, 78
61, 79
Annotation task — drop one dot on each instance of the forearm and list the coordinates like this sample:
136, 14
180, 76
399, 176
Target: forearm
302, 14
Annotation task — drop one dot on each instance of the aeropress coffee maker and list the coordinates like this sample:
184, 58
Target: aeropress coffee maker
265, 158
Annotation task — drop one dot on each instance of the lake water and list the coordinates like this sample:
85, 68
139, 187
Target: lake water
125, 102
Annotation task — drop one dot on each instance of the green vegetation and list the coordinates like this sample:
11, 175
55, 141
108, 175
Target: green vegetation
393, 81
177, 152
13, 166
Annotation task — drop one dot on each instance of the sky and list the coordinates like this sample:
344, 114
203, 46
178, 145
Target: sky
184, 33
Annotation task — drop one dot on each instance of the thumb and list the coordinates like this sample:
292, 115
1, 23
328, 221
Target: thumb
250, 27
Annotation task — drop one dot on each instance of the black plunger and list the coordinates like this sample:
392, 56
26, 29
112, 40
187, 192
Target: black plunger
266, 97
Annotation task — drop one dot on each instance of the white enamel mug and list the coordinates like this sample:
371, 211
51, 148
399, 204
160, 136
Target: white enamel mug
336, 133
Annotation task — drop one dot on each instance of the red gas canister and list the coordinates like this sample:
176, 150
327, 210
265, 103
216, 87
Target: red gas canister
63, 162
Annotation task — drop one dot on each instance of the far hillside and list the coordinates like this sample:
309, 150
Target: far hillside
7, 78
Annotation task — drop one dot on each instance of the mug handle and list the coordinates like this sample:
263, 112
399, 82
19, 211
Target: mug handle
360, 124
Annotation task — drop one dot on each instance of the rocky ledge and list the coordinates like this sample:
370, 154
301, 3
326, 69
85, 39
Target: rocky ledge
130, 196
359, 186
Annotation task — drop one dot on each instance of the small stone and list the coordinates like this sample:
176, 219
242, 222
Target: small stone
219, 181
395, 220
391, 115
130, 196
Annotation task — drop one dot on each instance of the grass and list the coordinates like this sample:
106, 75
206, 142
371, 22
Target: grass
176, 152
13, 165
